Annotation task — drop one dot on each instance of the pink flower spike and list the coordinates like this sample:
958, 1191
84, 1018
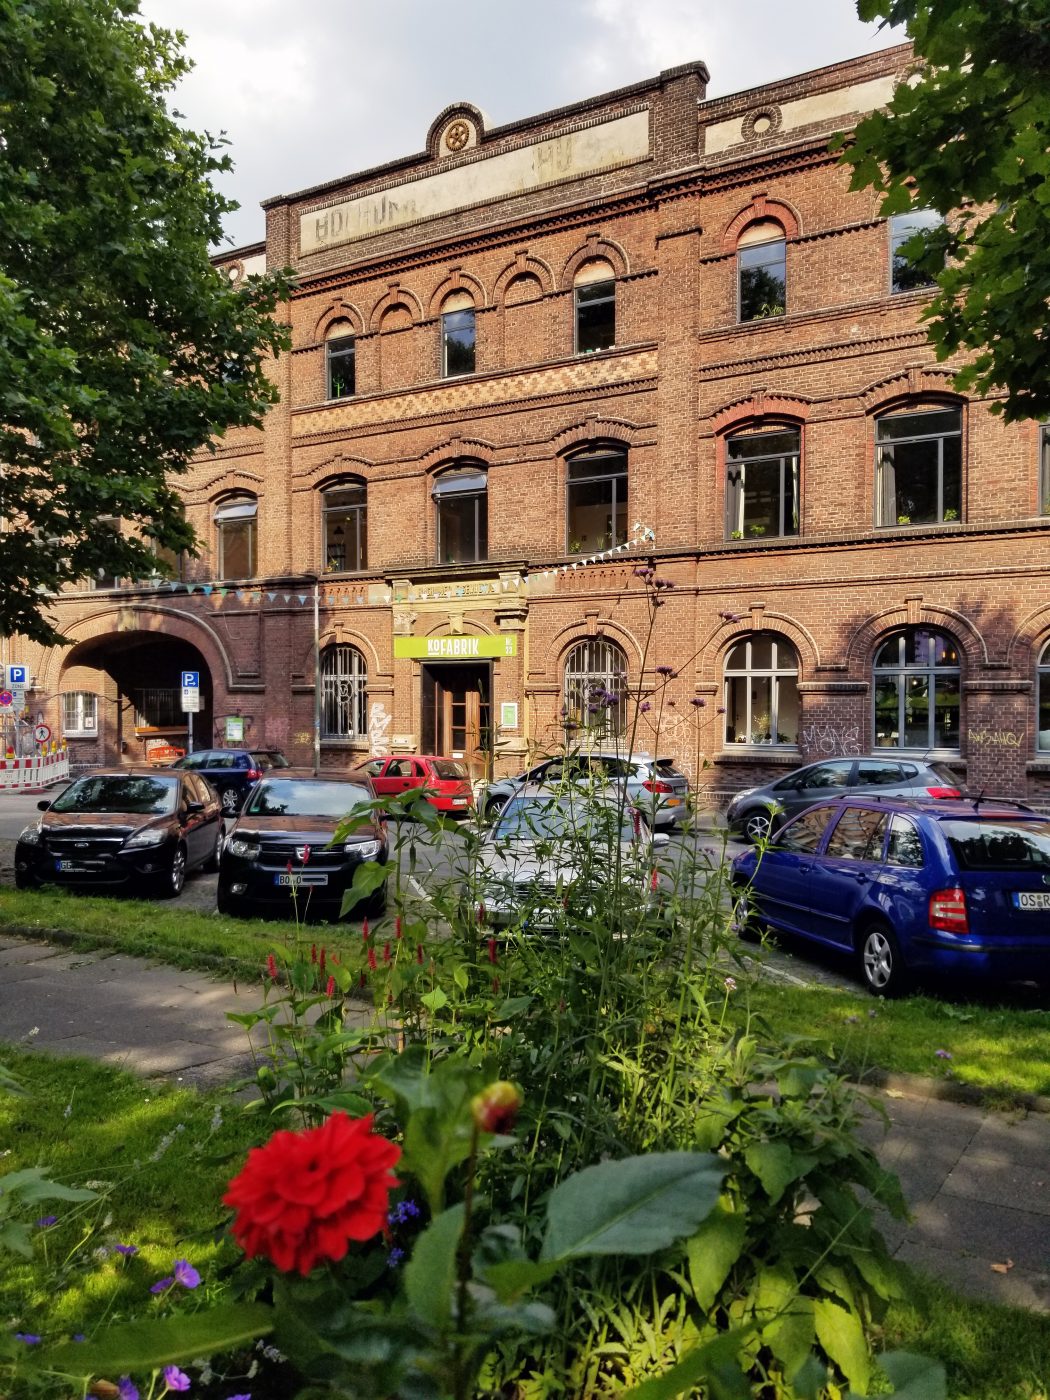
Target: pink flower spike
330, 989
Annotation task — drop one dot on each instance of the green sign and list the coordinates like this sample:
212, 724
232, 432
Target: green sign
235, 729
456, 648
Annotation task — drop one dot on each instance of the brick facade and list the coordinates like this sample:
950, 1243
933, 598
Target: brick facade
682, 380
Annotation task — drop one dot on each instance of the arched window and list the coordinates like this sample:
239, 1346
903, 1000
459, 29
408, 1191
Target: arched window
339, 361
762, 483
761, 262
596, 504
344, 679
919, 466
461, 503
458, 335
344, 524
595, 298
235, 536
904, 275
1042, 681
917, 681
595, 690
761, 691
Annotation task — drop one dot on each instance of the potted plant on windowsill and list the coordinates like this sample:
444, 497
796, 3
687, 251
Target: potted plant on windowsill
903, 519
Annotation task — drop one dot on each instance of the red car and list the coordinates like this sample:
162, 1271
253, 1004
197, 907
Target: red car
447, 780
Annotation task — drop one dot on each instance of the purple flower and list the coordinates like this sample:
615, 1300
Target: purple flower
30, 1338
665, 670
186, 1274
403, 1212
698, 701
730, 984
175, 1379
79, 1337
644, 707
162, 1285
126, 1249
943, 1054
45, 1221
721, 710
246, 1396
127, 1390
394, 1258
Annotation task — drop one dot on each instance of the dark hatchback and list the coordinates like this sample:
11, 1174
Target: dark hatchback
950, 887
279, 847
232, 772
123, 827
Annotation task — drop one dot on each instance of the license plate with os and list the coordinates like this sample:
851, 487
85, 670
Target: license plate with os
1032, 899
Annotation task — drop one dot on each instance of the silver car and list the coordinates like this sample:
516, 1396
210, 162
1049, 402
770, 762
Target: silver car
652, 785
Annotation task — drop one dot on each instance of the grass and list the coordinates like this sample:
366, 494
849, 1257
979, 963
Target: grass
89, 1123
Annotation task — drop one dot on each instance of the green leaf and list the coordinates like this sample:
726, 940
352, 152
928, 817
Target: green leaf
512, 1277
513, 1006
777, 1166
434, 1000
633, 1206
841, 1335
32, 1184
713, 1251
430, 1275
152, 1343
714, 1363
913, 1377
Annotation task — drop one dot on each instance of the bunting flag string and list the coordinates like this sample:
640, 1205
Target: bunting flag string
641, 535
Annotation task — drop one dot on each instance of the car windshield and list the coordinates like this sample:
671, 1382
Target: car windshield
450, 768
139, 796
269, 759
544, 818
1000, 843
290, 797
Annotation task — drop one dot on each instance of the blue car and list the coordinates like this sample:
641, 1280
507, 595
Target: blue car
910, 887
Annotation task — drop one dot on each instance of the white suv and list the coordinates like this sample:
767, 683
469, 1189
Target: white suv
653, 785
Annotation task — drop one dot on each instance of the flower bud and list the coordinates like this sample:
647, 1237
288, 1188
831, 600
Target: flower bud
496, 1107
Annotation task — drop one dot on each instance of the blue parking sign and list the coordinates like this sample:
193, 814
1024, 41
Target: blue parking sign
191, 680
16, 676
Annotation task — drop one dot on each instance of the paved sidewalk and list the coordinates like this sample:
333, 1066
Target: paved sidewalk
978, 1182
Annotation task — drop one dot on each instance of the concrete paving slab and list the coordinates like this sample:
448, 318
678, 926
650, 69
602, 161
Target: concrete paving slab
1000, 1182
1019, 1288
995, 1237
1024, 1138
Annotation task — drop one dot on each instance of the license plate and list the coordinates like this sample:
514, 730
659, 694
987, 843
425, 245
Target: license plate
1027, 899
295, 879
459, 801
674, 802
69, 867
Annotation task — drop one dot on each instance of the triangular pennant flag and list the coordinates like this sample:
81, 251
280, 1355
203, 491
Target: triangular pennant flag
223, 592
301, 597
271, 597
190, 587
206, 590
287, 597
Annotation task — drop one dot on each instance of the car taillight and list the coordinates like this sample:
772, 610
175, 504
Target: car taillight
948, 911
943, 792
254, 774
651, 786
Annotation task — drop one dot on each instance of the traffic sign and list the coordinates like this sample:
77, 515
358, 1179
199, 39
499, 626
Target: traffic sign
191, 692
191, 680
42, 733
16, 678
7, 700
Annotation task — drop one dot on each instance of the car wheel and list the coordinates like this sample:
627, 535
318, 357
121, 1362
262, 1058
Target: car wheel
212, 863
231, 800
25, 881
756, 826
746, 922
494, 806
881, 964
375, 905
229, 904
175, 876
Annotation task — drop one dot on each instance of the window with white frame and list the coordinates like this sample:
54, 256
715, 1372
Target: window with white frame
919, 467
594, 290
1042, 682
762, 483
80, 714
344, 681
596, 504
761, 691
917, 682
234, 519
761, 260
595, 690
461, 502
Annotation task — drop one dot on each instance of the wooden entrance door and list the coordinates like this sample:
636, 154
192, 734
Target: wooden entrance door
462, 715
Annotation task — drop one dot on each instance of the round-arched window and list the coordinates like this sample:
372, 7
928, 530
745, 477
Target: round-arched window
917, 681
761, 691
1042, 681
595, 690
344, 679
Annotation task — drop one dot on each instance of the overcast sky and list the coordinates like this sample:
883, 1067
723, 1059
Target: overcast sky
311, 91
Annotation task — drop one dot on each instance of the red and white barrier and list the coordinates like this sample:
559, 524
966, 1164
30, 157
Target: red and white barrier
36, 771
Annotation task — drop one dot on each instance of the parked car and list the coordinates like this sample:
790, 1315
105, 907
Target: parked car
447, 780
758, 811
232, 772
653, 785
123, 826
280, 844
909, 886
549, 852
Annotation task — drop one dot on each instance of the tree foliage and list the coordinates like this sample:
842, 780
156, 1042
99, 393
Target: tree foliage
123, 350
969, 136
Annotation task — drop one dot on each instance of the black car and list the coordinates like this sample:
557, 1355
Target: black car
758, 811
232, 772
279, 847
120, 827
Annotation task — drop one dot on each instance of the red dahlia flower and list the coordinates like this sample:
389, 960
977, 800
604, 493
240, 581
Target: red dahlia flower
304, 1196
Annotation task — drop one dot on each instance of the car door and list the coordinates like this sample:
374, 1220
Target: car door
844, 872
400, 775
781, 884
378, 770
198, 828
879, 775
822, 780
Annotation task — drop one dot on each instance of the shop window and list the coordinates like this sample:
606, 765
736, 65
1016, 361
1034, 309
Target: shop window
904, 275
235, 536
458, 335
344, 681
595, 690
595, 301
344, 523
461, 503
80, 714
761, 691
917, 682
1042, 682
762, 484
340, 362
919, 467
1044, 469
761, 260
596, 507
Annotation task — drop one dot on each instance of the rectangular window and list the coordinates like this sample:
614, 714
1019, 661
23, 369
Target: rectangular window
763, 280
595, 317
597, 502
919, 468
235, 529
80, 713
458, 343
339, 356
1044, 469
345, 529
904, 275
158, 708
462, 516
762, 485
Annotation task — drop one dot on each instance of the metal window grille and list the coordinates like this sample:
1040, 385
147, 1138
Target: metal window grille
595, 690
343, 693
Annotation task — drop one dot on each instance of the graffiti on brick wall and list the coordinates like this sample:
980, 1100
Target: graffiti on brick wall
831, 740
995, 738
379, 723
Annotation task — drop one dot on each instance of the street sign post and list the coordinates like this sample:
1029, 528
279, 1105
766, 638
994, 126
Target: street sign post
42, 733
191, 702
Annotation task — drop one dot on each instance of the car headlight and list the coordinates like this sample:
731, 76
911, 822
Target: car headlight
246, 850
31, 835
151, 836
364, 850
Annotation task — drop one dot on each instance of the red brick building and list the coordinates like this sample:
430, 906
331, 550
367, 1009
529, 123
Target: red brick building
646, 329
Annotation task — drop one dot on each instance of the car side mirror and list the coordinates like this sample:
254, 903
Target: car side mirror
43, 805
192, 808
661, 838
